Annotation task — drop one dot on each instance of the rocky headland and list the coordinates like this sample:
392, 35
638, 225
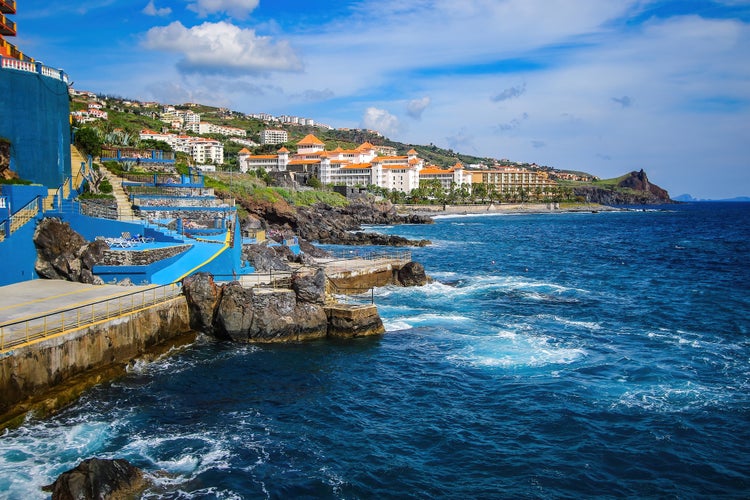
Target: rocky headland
633, 189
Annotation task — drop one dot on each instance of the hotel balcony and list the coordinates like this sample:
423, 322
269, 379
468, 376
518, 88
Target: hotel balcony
8, 6
7, 27
9, 50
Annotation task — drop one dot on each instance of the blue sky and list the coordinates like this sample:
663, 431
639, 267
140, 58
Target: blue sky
603, 86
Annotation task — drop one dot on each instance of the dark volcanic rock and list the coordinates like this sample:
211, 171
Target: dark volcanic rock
265, 258
95, 479
412, 274
326, 224
64, 254
274, 314
310, 287
234, 314
202, 296
311, 250
258, 314
5, 171
638, 181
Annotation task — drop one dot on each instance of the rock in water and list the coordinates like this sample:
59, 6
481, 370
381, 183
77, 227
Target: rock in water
96, 479
412, 274
234, 316
202, 296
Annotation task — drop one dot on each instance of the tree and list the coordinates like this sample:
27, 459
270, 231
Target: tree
88, 142
314, 182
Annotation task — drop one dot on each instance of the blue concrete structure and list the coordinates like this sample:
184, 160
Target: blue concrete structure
36, 120
35, 114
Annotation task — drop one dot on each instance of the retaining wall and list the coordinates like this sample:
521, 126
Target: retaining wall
31, 374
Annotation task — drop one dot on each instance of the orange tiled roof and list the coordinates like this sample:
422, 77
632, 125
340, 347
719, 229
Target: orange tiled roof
365, 145
303, 162
283, 150
412, 152
432, 170
356, 166
264, 157
244, 151
404, 158
310, 139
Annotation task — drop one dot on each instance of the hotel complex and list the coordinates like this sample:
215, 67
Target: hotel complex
363, 166
509, 180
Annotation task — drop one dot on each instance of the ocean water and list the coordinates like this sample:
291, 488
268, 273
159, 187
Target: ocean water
554, 356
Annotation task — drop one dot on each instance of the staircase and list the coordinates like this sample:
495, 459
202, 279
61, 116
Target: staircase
76, 158
23, 216
124, 207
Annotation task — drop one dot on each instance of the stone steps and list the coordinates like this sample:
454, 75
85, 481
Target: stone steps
124, 207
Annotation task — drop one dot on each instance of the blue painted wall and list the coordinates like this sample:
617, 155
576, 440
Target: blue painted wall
35, 117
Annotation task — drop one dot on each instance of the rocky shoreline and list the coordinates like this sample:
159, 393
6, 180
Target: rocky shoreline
331, 225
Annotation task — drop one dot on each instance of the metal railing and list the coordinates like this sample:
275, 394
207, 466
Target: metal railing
268, 279
403, 256
37, 328
20, 217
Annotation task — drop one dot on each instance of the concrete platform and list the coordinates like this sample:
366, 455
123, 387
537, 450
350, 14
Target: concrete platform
37, 297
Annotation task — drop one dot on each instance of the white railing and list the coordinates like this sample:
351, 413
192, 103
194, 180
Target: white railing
30, 67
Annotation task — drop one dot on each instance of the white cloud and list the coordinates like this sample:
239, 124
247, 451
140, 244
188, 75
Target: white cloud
380, 120
239, 9
151, 10
222, 48
416, 107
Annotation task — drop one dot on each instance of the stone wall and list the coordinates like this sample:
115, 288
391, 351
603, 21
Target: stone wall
140, 257
46, 375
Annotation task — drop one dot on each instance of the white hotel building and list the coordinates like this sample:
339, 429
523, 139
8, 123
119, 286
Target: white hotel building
200, 149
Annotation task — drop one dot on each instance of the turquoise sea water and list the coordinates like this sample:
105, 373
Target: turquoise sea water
555, 356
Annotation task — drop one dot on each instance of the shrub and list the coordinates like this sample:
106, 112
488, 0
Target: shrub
105, 187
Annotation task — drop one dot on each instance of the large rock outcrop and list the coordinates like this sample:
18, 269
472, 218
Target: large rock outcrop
64, 254
231, 312
96, 479
412, 274
265, 258
634, 189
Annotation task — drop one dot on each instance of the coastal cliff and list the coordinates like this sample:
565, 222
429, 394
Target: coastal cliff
632, 189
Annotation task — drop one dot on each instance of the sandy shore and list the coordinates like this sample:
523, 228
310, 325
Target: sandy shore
504, 208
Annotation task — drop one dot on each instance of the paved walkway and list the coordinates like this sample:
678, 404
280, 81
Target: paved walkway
60, 304
37, 297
